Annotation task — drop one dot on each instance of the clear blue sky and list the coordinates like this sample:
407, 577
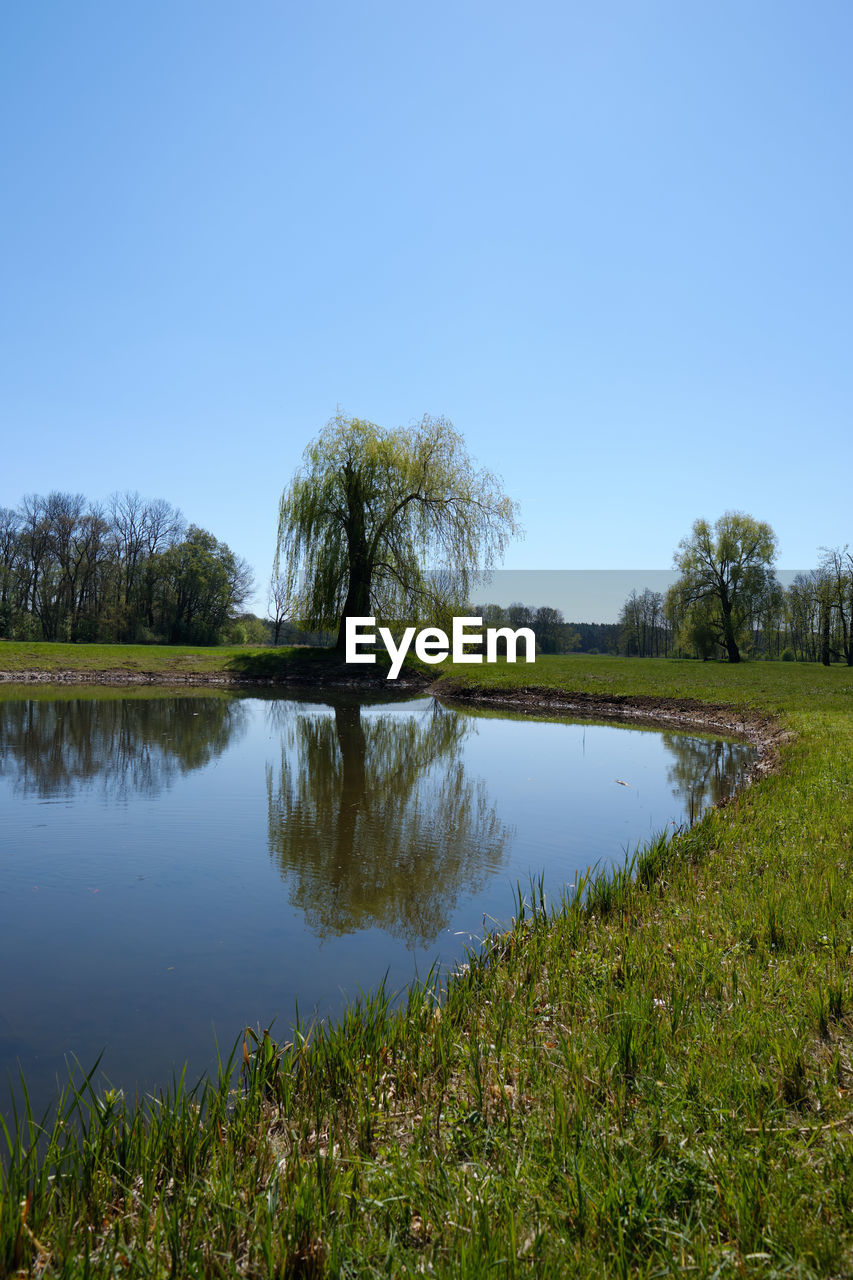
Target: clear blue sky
611, 242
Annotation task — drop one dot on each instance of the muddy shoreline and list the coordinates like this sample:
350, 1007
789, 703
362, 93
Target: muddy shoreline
744, 723
320, 677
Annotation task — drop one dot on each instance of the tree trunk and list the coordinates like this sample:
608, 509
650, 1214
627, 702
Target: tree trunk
728, 630
825, 656
729, 639
357, 603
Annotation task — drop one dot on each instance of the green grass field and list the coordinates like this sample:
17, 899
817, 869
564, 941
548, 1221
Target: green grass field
136, 659
651, 1077
124, 663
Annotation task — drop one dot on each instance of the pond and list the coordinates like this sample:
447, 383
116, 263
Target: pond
177, 866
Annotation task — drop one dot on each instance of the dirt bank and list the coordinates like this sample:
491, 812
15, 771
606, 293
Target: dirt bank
304, 675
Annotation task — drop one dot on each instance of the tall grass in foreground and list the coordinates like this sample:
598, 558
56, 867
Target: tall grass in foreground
650, 1077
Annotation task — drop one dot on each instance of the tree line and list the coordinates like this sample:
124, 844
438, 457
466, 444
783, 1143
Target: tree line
809, 621
366, 511
370, 507
553, 633
728, 601
128, 570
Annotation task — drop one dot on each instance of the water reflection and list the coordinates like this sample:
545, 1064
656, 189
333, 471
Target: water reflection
374, 822
705, 771
123, 745
335, 844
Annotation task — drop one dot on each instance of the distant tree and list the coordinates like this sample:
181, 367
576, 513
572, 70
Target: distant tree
643, 622
593, 637
553, 633
75, 570
37, 565
571, 639
493, 615
373, 514
550, 628
519, 615
201, 585
803, 608
277, 604
9, 564
725, 569
248, 628
693, 625
768, 620
140, 530
836, 568
630, 620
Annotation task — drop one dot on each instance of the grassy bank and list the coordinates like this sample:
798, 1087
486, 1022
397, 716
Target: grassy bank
652, 1077
118, 661
128, 664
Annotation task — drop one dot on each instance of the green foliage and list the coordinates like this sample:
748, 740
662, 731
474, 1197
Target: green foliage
128, 572
643, 629
553, 634
697, 632
247, 628
835, 603
200, 583
388, 523
726, 570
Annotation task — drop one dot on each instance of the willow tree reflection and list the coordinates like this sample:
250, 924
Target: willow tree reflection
121, 745
705, 770
374, 822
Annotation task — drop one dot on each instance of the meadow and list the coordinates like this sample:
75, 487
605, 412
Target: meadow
117, 661
651, 1076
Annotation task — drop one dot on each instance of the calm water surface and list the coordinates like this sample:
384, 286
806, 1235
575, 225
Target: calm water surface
173, 868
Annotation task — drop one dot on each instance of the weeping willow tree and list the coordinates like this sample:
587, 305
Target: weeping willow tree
392, 524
